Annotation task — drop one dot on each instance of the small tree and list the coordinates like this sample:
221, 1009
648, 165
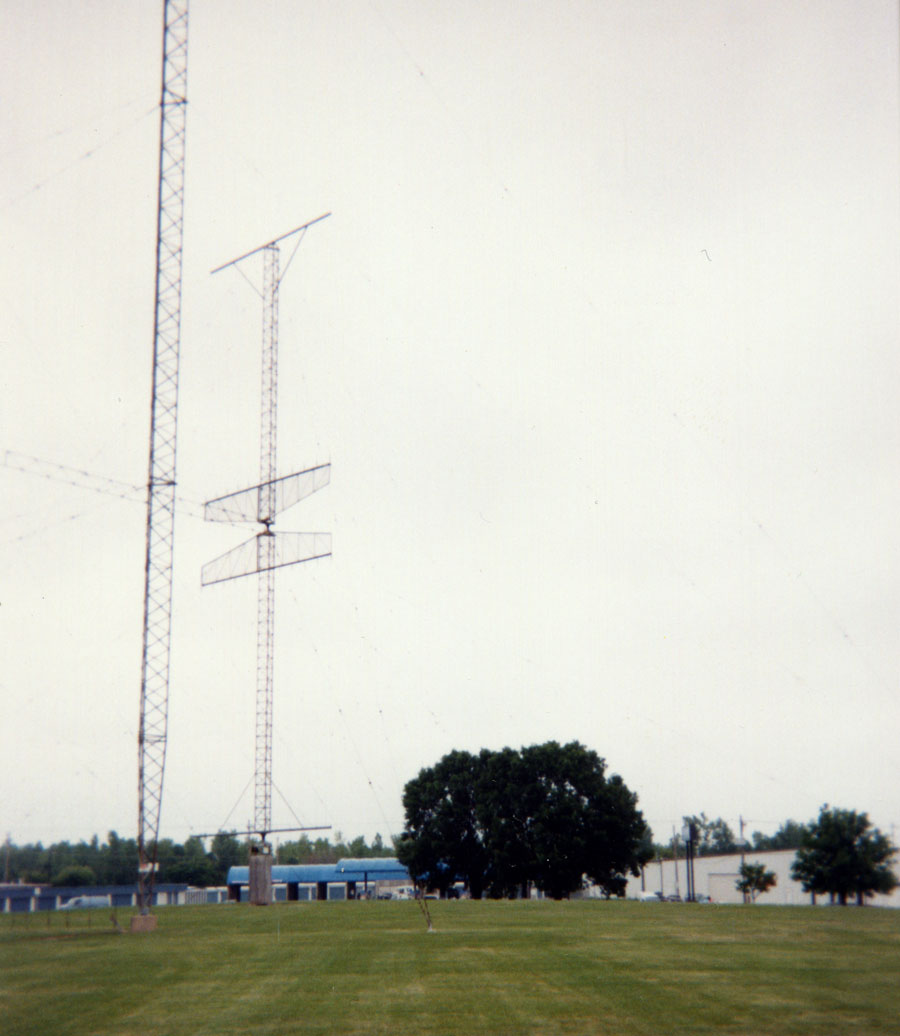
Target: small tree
844, 856
755, 880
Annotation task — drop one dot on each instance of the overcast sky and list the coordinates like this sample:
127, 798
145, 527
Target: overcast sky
600, 340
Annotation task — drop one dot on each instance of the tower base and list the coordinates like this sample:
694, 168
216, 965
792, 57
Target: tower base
143, 923
260, 876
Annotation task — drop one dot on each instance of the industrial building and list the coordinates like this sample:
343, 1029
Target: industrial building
715, 878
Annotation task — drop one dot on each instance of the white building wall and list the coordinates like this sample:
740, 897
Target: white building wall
715, 876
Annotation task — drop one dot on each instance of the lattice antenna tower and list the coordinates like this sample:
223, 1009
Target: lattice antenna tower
154, 701
268, 550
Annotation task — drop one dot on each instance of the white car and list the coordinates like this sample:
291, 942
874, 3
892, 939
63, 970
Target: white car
85, 902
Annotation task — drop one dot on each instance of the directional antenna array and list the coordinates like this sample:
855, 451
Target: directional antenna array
268, 550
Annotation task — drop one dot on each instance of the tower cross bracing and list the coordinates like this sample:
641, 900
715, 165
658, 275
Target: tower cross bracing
154, 697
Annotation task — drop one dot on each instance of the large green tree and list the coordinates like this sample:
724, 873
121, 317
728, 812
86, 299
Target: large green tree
444, 838
843, 856
546, 814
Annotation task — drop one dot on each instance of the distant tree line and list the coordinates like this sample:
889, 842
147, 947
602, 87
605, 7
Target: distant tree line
717, 838
789, 835
321, 850
115, 861
713, 838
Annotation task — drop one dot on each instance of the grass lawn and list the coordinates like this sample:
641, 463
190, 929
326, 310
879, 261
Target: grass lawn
501, 968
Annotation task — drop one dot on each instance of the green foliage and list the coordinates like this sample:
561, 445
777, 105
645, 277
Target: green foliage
321, 850
546, 814
714, 837
119, 861
445, 836
74, 876
113, 863
186, 864
788, 836
755, 880
843, 856
305, 850
226, 851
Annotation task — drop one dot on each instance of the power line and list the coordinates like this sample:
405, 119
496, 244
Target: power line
83, 157
94, 482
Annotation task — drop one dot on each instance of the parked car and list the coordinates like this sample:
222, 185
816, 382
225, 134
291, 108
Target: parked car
651, 897
85, 902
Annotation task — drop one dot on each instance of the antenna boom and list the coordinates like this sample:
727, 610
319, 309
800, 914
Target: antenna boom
270, 244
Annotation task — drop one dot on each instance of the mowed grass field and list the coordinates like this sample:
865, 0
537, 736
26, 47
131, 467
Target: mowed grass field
488, 968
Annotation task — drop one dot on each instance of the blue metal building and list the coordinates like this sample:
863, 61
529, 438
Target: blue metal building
15, 899
345, 879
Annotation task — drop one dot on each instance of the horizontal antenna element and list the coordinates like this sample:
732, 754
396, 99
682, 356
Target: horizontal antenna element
272, 243
256, 555
252, 505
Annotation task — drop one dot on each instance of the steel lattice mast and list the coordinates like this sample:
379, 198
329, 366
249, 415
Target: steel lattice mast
268, 550
154, 702
265, 607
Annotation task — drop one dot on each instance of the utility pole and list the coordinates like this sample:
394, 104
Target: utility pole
154, 699
268, 550
689, 834
743, 844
